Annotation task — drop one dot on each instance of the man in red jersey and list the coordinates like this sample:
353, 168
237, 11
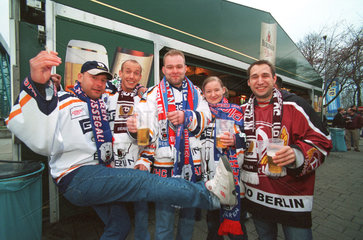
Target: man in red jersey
285, 198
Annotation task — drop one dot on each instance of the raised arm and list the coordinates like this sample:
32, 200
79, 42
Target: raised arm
33, 118
41, 66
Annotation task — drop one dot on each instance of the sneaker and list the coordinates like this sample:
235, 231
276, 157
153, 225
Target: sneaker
357, 150
222, 185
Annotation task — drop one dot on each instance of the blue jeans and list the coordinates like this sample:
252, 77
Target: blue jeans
141, 221
164, 222
213, 222
116, 220
268, 231
98, 185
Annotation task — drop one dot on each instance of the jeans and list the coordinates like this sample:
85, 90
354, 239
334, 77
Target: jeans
141, 221
116, 220
98, 185
164, 222
213, 222
268, 231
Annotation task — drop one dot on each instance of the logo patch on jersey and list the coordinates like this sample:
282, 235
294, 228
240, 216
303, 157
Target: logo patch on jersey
121, 160
77, 112
250, 146
163, 130
111, 115
284, 136
86, 125
126, 110
313, 157
264, 160
106, 151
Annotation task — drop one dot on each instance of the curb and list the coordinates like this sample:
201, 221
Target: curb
5, 133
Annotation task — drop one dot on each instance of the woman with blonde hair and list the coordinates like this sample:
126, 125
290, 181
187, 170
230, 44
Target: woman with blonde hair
228, 221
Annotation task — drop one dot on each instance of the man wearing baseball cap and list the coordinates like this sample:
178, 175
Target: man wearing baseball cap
72, 128
93, 78
96, 68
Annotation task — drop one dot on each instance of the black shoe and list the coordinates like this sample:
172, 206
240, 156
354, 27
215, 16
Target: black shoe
348, 149
357, 150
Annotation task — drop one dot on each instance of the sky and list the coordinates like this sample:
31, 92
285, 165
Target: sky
297, 18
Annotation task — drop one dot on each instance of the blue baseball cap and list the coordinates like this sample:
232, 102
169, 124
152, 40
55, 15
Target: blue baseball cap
96, 68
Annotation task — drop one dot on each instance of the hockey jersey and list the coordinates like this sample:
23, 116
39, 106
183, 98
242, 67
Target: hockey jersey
126, 152
58, 125
164, 155
289, 199
55, 125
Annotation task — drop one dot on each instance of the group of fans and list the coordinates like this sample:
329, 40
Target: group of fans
90, 134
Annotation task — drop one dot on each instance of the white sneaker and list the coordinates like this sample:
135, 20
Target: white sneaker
222, 185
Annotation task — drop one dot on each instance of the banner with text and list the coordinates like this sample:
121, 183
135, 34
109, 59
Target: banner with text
332, 92
268, 42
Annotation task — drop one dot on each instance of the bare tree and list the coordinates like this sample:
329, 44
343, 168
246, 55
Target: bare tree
355, 63
336, 56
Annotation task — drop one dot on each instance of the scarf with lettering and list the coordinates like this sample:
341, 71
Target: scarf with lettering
177, 136
230, 217
124, 108
100, 125
252, 158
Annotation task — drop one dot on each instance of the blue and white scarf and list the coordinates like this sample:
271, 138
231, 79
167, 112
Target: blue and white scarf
178, 136
230, 217
100, 125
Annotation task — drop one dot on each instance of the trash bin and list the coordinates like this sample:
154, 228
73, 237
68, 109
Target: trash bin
21, 200
337, 137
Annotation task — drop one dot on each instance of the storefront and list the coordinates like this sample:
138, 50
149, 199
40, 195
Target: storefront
218, 37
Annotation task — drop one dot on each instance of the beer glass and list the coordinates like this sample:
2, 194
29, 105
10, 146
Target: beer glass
222, 126
273, 146
143, 128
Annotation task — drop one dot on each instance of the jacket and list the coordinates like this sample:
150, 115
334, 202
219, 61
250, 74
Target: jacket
164, 156
289, 199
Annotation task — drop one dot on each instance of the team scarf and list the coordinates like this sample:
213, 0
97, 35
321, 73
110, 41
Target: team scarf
230, 217
100, 125
177, 136
124, 108
252, 155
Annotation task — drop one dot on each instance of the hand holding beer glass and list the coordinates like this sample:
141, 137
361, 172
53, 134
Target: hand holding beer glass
274, 145
143, 128
224, 132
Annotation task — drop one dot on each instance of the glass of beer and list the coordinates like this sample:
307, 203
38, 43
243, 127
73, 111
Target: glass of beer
273, 146
143, 128
223, 126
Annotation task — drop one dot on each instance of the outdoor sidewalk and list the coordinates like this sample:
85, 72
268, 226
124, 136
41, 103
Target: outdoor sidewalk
337, 210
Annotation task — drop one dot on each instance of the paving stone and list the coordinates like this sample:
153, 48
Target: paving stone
358, 219
325, 233
357, 207
321, 236
352, 226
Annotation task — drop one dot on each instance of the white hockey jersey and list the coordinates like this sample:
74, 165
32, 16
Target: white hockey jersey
127, 153
57, 125
164, 156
